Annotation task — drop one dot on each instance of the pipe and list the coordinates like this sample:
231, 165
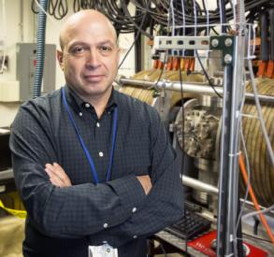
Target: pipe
6, 175
198, 185
40, 49
190, 87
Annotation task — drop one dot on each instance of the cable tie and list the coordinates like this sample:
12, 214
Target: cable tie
234, 155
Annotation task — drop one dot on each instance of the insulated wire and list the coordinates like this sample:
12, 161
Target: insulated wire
248, 178
247, 160
172, 18
222, 15
184, 22
139, 28
184, 19
134, 42
45, 12
254, 199
207, 16
251, 214
195, 17
157, 12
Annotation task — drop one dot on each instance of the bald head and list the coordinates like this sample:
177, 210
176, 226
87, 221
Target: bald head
87, 18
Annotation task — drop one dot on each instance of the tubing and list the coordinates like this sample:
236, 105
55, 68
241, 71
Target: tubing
40, 49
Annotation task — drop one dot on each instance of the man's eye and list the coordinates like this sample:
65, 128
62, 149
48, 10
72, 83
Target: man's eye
78, 50
105, 49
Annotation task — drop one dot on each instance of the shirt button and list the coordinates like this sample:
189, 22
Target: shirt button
134, 209
87, 105
98, 124
135, 236
105, 225
80, 114
101, 154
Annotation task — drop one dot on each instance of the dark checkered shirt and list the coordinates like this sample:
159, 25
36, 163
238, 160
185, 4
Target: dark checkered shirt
64, 221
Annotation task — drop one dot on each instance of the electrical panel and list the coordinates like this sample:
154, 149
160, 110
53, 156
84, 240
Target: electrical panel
25, 69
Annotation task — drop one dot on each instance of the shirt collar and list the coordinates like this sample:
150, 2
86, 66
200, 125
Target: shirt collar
77, 104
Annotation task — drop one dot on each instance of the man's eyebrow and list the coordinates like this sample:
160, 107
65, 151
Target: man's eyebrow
106, 42
77, 43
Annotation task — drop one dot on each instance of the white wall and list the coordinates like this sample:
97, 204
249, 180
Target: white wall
20, 26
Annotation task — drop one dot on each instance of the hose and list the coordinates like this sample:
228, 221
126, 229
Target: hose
40, 49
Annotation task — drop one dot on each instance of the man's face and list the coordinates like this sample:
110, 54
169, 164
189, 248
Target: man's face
90, 57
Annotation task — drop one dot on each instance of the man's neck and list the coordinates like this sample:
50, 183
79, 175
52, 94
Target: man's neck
99, 102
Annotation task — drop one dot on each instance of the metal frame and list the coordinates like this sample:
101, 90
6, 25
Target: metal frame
232, 48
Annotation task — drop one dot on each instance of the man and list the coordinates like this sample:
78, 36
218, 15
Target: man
94, 167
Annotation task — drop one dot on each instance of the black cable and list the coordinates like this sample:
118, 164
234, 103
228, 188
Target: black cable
161, 74
222, 11
62, 9
76, 5
134, 42
34, 7
157, 12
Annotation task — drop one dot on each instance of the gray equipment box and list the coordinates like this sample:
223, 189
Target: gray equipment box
25, 69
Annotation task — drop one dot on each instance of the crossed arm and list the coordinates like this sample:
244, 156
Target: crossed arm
59, 178
54, 204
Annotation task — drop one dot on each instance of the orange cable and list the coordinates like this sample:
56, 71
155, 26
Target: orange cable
254, 199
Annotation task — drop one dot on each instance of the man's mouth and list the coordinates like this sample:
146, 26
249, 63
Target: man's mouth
93, 77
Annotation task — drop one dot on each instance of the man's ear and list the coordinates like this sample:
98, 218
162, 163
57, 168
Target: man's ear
60, 57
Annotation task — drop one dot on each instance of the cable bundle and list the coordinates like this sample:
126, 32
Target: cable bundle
149, 13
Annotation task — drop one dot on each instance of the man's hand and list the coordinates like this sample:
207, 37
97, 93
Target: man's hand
145, 182
57, 175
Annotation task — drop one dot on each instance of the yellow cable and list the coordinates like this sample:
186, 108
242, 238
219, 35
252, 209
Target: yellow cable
17, 213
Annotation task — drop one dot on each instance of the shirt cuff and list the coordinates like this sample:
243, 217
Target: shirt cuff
130, 191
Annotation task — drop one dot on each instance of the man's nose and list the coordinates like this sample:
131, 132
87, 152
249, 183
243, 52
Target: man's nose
92, 59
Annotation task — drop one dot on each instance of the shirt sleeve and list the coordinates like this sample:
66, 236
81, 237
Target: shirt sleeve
164, 203
74, 211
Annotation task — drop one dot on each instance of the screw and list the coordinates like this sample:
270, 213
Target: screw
215, 42
228, 58
228, 42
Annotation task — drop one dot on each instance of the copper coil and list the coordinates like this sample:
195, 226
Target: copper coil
262, 171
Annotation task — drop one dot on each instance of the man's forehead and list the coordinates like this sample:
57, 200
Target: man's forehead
88, 26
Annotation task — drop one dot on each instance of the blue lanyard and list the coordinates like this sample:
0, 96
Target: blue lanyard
85, 149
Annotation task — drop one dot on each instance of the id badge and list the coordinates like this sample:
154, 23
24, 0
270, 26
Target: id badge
102, 251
